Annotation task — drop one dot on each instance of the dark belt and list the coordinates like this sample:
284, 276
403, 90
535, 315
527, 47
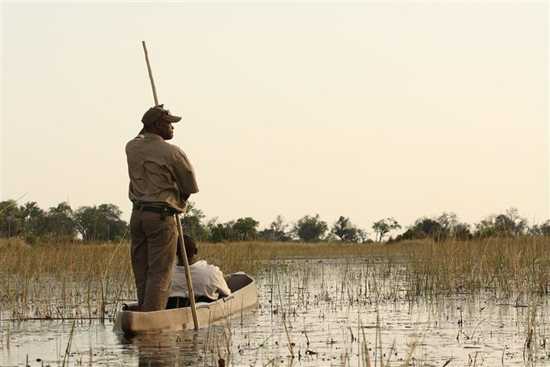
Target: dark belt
162, 210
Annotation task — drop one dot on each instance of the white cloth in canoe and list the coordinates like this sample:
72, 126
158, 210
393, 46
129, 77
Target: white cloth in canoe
207, 280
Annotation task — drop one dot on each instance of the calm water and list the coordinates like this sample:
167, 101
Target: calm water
324, 313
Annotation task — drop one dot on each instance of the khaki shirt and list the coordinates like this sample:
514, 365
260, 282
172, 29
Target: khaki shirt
160, 173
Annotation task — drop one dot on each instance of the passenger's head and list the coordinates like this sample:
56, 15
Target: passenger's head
190, 248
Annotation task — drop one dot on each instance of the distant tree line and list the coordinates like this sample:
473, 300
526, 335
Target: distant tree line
447, 226
311, 228
103, 223
61, 222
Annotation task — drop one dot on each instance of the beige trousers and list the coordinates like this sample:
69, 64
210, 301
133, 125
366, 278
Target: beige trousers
153, 251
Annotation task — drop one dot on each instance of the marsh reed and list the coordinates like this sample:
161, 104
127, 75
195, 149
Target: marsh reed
88, 281
507, 267
62, 281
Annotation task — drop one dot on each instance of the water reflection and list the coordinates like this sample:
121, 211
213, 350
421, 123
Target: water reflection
167, 349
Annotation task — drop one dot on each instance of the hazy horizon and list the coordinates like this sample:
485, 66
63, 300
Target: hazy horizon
366, 110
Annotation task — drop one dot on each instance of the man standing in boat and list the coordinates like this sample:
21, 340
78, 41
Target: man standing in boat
161, 181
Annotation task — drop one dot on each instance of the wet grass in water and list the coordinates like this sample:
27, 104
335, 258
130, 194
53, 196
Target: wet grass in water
460, 284
346, 318
83, 282
507, 267
89, 280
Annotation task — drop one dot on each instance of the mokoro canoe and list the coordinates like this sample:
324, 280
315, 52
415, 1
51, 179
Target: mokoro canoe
244, 296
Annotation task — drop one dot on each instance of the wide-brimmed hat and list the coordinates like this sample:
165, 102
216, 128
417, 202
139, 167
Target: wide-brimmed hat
157, 113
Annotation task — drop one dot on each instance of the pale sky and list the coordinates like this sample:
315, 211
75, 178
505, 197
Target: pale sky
366, 110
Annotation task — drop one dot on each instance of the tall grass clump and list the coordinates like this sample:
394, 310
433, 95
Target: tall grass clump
505, 266
62, 281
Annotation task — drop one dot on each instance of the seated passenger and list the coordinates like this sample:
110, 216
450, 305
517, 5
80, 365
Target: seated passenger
208, 281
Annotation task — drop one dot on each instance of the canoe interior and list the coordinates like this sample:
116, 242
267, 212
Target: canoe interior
234, 281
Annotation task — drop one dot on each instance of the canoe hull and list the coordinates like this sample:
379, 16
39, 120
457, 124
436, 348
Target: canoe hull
243, 298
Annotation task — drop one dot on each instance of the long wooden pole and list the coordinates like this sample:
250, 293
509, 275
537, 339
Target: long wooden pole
182, 253
150, 73
187, 274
